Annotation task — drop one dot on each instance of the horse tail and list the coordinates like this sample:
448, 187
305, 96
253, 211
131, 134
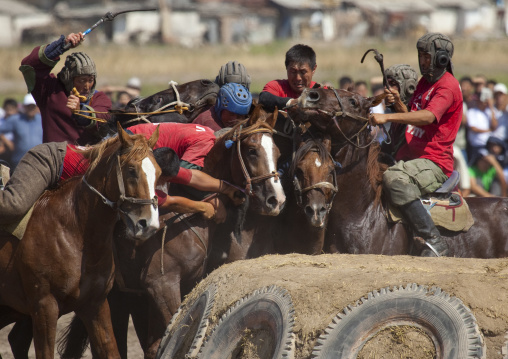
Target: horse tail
74, 340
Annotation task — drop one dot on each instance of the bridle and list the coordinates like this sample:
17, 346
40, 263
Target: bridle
238, 136
345, 114
299, 192
123, 198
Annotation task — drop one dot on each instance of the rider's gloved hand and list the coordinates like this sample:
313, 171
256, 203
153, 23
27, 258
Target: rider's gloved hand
234, 193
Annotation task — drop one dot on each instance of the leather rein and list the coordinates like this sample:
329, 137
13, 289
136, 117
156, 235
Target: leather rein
237, 137
123, 198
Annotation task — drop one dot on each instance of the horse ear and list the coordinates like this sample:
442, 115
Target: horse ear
125, 139
254, 117
154, 138
376, 100
271, 121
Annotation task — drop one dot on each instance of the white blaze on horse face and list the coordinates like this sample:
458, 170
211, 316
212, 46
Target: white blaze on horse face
267, 144
150, 172
317, 162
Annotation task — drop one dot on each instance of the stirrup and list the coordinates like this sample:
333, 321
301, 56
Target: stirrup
432, 249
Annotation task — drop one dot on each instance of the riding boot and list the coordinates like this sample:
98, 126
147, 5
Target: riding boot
423, 226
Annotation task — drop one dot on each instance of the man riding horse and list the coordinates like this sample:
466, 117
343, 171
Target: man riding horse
425, 161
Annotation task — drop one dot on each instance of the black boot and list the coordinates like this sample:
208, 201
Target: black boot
424, 227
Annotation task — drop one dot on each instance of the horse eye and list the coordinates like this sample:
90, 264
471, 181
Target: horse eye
353, 102
133, 172
252, 152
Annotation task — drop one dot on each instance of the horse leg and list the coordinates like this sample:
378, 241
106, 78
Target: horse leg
119, 308
20, 338
44, 319
100, 330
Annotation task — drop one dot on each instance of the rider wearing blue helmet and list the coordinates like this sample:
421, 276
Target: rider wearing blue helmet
232, 104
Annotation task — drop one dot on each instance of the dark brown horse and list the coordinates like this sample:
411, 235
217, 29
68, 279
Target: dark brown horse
301, 227
358, 221
182, 105
160, 273
64, 261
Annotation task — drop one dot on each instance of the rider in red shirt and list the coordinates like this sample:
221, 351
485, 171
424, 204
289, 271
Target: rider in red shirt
300, 67
426, 160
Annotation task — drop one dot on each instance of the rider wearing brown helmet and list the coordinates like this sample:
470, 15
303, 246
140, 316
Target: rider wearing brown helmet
425, 161
54, 95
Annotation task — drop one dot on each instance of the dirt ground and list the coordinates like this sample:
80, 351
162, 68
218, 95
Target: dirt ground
321, 286
134, 350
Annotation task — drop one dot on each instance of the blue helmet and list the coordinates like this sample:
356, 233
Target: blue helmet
235, 98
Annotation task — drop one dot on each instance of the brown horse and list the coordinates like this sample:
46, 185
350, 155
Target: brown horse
169, 105
157, 276
358, 221
301, 227
64, 261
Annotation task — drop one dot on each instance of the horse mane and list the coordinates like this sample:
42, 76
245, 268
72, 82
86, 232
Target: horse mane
108, 147
375, 170
311, 144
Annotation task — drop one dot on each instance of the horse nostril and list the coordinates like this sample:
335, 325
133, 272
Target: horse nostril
322, 211
272, 202
309, 211
313, 96
142, 224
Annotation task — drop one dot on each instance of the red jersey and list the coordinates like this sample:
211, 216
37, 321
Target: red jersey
435, 141
191, 142
208, 118
281, 88
76, 165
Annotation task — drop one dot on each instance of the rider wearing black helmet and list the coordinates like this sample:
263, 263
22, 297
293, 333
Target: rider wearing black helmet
425, 161
55, 96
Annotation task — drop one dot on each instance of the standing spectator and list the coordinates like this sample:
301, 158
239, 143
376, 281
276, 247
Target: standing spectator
361, 88
27, 129
500, 98
61, 97
300, 68
480, 123
122, 99
468, 89
132, 88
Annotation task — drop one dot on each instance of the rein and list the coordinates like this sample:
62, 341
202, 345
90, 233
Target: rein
118, 204
238, 136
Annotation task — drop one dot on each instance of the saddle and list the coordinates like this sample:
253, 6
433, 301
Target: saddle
446, 207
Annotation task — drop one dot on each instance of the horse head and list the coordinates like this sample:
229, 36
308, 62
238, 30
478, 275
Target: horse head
314, 180
252, 156
123, 173
179, 103
340, 113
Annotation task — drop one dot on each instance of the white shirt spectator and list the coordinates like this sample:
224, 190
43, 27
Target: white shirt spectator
479, 119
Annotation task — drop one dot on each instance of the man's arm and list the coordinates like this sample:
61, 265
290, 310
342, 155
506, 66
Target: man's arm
269, 101
184, 205
204, 182
416, 118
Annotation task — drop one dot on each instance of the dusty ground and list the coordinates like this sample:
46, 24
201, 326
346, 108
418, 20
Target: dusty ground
321, 286
134, 352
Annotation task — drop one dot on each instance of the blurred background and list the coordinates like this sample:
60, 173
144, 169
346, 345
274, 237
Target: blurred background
186, 40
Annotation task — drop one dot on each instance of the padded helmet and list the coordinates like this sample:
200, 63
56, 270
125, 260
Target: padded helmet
233, 72
406, 77
235, 98
77, 64
440, 48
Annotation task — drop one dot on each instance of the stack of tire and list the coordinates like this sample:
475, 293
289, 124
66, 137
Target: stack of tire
275, 307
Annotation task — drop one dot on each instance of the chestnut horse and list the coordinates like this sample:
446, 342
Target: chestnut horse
179, 103
157, 276
64, 261
358, 221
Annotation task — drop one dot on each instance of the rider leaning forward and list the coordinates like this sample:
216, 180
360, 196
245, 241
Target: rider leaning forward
425, 161
54, 94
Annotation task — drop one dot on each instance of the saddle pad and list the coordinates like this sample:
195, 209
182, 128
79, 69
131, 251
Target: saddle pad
455, 218
18, 228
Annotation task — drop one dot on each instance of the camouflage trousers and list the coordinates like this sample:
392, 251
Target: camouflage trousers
407, 181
